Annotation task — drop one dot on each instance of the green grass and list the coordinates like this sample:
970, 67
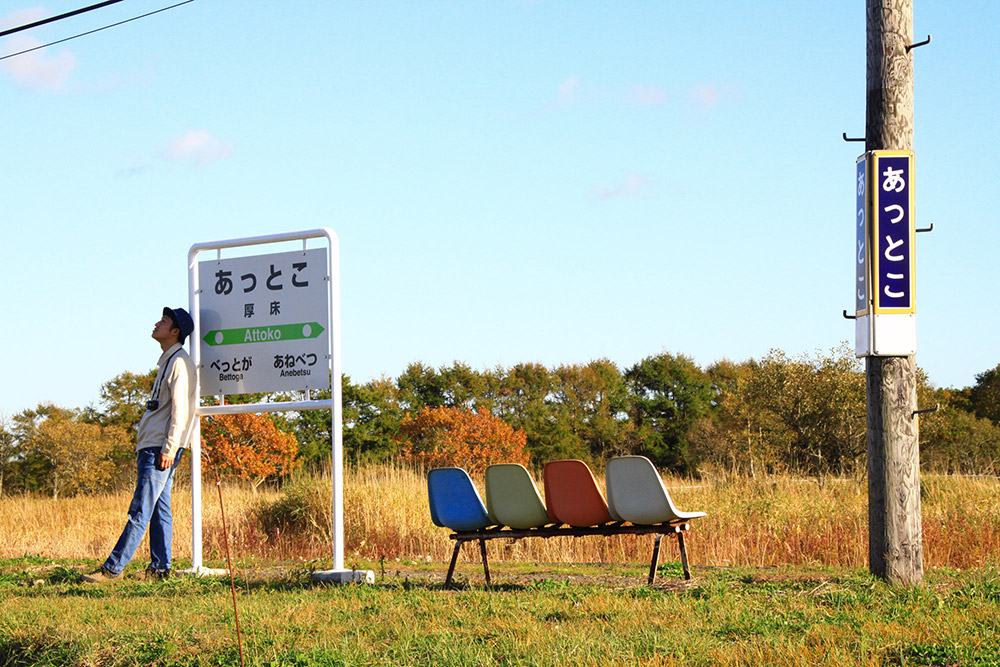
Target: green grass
548, 615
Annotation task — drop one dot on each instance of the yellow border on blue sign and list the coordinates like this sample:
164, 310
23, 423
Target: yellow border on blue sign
873, 238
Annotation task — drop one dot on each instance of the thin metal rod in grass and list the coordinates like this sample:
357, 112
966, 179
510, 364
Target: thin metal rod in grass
229, 562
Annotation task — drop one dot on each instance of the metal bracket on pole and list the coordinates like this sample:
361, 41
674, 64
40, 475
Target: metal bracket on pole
913, 46
847, 138
849, 317
925, 229
920, 412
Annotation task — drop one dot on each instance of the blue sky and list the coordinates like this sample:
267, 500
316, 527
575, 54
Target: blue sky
510, 181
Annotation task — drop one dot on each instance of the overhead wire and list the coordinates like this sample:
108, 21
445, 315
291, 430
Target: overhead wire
52, 19
89, 32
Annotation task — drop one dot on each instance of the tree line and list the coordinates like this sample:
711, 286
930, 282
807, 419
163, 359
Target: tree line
779, 414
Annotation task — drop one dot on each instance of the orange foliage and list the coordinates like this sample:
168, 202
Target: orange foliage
448, 436
248, 446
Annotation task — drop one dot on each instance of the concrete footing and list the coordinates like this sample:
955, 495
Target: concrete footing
344, 576
205, 572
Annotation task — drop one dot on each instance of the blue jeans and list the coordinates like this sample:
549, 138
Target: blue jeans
150, 506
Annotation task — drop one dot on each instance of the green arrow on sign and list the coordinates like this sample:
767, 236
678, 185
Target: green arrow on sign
273, 334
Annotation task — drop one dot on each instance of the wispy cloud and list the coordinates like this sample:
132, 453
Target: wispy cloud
630, 187
36, 70
646, 96
198, 147
707, 96
567, 93
194, 147
21, 17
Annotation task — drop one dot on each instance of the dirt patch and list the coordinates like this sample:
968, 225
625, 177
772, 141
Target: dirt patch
504, 578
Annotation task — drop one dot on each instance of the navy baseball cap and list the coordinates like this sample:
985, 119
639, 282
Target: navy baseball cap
181, 320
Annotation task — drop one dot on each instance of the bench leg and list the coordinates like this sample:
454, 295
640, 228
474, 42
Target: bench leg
486, 563
684, 555
656, 557
454, 559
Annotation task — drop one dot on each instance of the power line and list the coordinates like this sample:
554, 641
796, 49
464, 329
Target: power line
89, 32
52, 19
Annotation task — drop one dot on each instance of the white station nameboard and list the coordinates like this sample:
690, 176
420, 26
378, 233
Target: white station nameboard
264, 323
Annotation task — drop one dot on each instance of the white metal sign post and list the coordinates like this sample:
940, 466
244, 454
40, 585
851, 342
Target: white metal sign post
268, 323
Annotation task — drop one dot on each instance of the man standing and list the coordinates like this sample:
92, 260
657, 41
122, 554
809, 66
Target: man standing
164, 432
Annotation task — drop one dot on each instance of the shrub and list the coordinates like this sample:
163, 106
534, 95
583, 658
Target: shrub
302, 512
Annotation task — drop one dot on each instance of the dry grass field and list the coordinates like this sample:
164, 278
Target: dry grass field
779, 579
753, 523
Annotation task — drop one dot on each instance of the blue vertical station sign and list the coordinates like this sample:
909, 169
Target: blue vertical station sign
861, 240
884, 259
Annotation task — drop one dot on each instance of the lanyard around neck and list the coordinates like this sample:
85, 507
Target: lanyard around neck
158, 384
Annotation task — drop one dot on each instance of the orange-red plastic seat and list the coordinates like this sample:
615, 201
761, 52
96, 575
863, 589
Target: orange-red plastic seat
572, 494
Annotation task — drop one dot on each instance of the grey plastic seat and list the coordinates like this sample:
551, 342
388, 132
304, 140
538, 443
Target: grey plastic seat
636, 493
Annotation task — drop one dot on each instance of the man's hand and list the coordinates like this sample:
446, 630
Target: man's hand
164, 462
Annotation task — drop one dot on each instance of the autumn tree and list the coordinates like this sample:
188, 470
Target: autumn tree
123, 399
82, 455
29, 469
248, 446
448, 436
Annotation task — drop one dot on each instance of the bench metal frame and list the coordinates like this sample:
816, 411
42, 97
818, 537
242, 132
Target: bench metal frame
659, 530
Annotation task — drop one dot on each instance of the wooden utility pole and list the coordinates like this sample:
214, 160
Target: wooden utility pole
895, 542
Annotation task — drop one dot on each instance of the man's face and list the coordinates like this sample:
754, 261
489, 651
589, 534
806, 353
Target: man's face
164, 329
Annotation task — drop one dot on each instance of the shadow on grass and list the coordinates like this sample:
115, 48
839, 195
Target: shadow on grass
62, 580
17, 653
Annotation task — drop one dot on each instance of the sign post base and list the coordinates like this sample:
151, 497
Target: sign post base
202, 571
343, 576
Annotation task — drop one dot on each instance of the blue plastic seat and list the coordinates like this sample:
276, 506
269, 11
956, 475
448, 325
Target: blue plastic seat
455, 502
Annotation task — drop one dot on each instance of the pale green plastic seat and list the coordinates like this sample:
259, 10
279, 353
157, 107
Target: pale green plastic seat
512, 497
636, 493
